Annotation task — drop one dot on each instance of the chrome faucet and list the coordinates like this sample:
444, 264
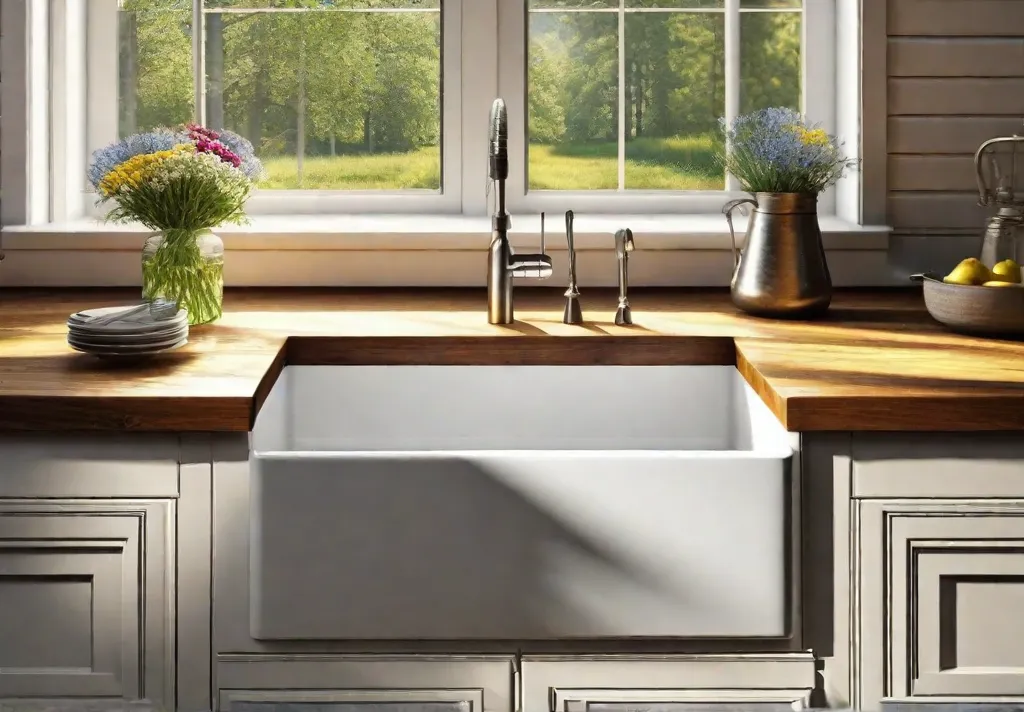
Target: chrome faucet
572, 314
623, 246
503, 265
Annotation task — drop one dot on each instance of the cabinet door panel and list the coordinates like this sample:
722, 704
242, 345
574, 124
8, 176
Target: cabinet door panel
85, 589
940, 612
365, 683
673, 683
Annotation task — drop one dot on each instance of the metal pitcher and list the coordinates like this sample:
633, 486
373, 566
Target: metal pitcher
781, 271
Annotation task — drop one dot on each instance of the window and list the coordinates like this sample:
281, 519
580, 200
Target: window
356, 105
619, 105
342, 99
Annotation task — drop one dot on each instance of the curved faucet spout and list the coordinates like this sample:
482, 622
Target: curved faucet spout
497, 142
623, 242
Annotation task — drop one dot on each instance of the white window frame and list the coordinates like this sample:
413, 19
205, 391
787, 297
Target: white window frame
103, 118
51, 240
818, 59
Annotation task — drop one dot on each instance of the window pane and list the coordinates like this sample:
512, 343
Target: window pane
770, 54
675, 94
573, 101
155, 65
331, 99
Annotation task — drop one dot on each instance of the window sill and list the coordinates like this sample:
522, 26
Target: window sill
426, 251
377, 233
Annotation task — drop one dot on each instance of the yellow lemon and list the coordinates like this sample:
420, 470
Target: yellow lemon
1006, 271
970, 271
1000, 284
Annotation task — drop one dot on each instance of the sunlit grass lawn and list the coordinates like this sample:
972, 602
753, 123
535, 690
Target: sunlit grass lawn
682, 163
382, 171
685, 163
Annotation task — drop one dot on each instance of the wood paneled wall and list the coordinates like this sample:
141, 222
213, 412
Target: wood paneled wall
956, 78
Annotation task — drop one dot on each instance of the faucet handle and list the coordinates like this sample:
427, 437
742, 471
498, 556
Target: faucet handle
535, 266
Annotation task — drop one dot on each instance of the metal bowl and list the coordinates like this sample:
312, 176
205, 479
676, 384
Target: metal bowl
979, 311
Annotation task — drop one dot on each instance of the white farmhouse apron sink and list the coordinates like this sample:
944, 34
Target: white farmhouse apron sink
518, 503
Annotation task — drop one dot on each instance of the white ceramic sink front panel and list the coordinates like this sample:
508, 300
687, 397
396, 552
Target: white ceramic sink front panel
518, 502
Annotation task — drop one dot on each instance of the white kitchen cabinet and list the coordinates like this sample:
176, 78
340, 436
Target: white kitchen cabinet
366, 683
941, 589
87, 567
667, 683
934, 527
86, 600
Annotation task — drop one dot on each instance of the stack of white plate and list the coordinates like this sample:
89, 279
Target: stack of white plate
128, 331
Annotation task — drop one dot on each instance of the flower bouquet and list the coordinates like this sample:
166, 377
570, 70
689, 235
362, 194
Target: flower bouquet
180, 183
776, 151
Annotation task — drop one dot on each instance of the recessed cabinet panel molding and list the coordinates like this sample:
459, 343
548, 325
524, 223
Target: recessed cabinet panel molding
98, 465
941, 591
365, 683
954, 465
86, 590
683, 683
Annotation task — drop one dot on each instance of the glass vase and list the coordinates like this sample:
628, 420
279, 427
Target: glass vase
187, 267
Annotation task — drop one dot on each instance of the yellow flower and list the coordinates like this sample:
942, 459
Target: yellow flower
812, 137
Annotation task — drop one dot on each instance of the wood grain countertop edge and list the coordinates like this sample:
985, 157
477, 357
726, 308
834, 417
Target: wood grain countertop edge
877, 363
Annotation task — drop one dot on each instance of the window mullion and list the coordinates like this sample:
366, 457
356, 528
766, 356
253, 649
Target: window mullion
733, 72
622, 95
199, 59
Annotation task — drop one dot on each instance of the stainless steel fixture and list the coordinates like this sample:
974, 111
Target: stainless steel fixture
573, 314
996, 187
503, 265
781, 271
623, 246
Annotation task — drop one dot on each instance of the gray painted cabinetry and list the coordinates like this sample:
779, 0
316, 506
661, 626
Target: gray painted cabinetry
125, 562
933, 528
87, 574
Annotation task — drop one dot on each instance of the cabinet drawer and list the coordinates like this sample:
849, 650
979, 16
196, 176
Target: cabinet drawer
940, 610
95, 465
923, 466
365, 683
760, 683
86, 590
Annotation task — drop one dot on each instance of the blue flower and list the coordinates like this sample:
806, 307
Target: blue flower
241, 147
768, 152
106, 159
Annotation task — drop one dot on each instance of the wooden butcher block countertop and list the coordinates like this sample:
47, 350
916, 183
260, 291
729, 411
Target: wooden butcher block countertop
878, 362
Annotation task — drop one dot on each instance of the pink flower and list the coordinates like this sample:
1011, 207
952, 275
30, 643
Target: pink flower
196, 132
205, 145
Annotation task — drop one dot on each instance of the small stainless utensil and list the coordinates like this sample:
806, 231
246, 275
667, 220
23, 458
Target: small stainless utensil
159, 309
623, 246
573, 313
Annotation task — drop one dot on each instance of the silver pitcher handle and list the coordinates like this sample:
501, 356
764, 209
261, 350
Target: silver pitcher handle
727, 210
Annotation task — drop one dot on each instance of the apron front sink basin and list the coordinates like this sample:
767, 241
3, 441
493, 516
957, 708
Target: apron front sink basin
518, 503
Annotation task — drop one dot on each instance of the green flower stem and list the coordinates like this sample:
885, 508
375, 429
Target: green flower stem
178, 271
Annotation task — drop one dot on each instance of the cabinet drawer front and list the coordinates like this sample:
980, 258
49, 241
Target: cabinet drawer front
351, 701
955, 465
943, 608
759, 683
85, 588
365, 683
99, 465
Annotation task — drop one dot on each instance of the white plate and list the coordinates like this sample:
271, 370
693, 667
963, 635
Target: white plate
109, 353
125, 346
172, 334
140, 323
